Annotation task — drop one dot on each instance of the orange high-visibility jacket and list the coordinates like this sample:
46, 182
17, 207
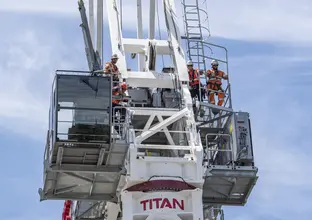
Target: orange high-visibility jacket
193, 77
110, 68
115, 93
124, 86
215, 77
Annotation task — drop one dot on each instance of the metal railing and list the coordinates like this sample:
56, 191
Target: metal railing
59, 126
73, 72
90, 125
48, 148
187, 145
196, 26
120, 124
205, 117
213, 114
211, 153
223, 61
214, 214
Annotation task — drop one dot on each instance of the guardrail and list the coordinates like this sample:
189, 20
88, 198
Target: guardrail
218, 149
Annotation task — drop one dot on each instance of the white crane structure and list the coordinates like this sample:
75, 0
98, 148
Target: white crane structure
157, 156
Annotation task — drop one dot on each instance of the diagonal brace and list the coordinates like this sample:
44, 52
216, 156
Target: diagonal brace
165, 123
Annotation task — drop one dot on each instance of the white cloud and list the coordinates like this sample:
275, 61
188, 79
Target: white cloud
280, 121
26, 76
268, 20
277, 20
42, 6
283, 178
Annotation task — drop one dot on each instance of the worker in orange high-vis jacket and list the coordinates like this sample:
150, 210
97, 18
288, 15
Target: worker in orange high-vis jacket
115, 102
124, 86
124, 90
194, 80
112, 69
115, 92
214, 85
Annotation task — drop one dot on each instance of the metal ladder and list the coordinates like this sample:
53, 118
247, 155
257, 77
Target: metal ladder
196, 31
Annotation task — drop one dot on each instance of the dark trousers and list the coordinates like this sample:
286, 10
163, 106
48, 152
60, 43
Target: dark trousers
122, 112
195, 92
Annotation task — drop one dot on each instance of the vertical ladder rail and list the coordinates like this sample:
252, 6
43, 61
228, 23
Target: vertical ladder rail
196, 31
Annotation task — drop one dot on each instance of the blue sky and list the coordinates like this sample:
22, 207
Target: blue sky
270, 62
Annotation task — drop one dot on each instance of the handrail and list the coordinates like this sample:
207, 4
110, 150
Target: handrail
220, 213
231, 149
118, 123
46, 150
49, 146
72, 71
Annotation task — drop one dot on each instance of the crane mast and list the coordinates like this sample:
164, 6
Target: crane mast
160, 155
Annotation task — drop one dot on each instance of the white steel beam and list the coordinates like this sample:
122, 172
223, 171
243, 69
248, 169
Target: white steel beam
141, 63
99, 29
91, 19
116, 36
167, 133
151, 79
150, 111
174, 33
112, 211
132, 45
152, 10
153, 130
149, 122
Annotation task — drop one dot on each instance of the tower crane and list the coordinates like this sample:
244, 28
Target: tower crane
154, 157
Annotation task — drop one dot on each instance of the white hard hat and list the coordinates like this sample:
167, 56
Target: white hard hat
214, 62
114, 56
189, 63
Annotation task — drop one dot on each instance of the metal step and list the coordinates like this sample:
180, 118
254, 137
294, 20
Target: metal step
83, 173
227, 185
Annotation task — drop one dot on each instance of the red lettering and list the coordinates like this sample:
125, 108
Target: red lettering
150, 204
176, 203
144, 204
166, 204
160, 203
157, 201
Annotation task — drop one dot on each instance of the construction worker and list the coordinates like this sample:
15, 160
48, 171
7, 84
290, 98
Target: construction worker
214, 83
124, 86
112, 69
194, 81
116, 108
118, 112
124, 91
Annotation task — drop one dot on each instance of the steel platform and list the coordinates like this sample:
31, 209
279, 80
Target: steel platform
83, 172
225, 185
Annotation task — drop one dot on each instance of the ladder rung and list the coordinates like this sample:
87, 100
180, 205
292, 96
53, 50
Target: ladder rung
192, 47
191, 38
196, 48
